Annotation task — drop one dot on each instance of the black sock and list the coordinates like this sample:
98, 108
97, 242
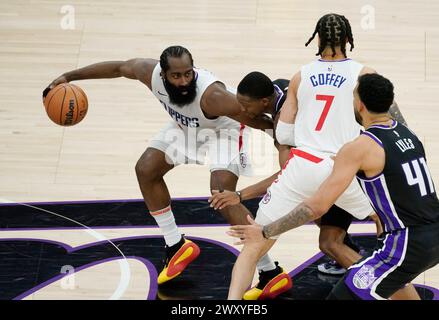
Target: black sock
348, 241
173, 249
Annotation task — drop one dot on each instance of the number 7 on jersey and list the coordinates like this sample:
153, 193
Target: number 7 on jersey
328, 104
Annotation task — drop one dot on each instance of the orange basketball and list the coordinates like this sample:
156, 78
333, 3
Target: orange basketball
66, 104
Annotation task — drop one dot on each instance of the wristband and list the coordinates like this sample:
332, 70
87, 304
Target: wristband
239, 195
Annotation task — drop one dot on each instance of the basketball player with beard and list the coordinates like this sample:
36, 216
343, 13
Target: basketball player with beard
206, 117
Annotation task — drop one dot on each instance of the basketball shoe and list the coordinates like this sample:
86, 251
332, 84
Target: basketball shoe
331, 267
178, 257
271, 284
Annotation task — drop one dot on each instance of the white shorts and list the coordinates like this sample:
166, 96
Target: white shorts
300, 179
226, 149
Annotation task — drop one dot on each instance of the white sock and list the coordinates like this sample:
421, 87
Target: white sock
166, 222
265, 264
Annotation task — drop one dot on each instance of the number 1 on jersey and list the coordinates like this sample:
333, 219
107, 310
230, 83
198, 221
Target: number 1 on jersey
329, 100
418, 178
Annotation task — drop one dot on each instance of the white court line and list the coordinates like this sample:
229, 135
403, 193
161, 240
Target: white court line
125, 272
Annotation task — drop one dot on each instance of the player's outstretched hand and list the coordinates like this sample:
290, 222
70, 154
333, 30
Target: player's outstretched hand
248, 233
220, 200
57, 81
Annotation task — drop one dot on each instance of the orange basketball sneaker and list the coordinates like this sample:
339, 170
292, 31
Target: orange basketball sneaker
271, 284
177, 259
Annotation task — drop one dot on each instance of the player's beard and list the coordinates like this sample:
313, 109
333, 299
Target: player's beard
358, 117
176, 95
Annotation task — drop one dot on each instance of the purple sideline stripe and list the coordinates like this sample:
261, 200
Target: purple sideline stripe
152, 271
292, 273
142, 226
114, 227
434, 290
304, 265
119, 227
92, 201
101, 201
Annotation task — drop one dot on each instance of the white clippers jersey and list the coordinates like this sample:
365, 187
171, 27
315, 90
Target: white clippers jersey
325, 119
191, 115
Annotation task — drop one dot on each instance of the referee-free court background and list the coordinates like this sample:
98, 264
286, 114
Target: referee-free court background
97, 241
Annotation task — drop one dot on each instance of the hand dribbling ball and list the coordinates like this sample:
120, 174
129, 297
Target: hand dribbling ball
66, 104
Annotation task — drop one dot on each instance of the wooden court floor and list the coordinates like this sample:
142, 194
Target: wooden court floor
42, 162
48, 253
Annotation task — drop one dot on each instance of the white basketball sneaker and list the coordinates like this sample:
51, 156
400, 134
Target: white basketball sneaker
331, 267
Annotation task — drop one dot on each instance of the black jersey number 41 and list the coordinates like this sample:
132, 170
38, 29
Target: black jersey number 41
420, 171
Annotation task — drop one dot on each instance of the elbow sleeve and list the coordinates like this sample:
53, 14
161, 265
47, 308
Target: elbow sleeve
285, 133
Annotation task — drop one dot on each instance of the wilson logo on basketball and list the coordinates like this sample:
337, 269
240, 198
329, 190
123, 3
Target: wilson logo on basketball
69, 114
66, 104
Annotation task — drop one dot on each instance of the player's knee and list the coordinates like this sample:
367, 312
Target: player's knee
141, 168
323, 246
146, 171
329, 246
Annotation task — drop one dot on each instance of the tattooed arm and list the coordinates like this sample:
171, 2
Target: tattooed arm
396, 114
361, 154
348, 161
299, 216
